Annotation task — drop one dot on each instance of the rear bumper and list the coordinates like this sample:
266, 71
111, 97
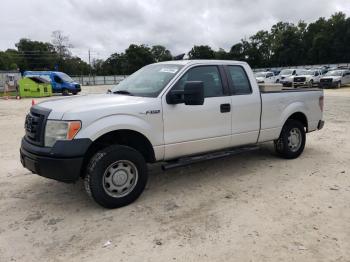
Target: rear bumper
63, 162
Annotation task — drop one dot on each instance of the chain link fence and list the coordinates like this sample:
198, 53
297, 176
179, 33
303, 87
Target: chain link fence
98, 80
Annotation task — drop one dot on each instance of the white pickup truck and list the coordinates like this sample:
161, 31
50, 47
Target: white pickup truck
307, 78
176, 112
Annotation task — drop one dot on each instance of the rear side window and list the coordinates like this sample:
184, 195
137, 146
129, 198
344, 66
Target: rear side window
240, 84
210, 77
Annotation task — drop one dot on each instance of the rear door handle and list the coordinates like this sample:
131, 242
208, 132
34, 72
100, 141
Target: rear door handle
224, 108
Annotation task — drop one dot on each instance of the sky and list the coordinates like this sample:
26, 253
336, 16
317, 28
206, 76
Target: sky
109, 26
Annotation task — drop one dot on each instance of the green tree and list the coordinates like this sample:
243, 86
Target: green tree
221, 54
137, 56
237, 51
160, 53
34, 55
201, 52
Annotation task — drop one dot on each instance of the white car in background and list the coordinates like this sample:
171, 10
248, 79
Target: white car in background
307, 78
335, 78
265, 77
287, 75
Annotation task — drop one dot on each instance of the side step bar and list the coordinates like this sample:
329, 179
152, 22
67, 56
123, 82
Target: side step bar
213, 155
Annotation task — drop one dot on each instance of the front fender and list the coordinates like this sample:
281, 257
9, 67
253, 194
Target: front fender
118, 122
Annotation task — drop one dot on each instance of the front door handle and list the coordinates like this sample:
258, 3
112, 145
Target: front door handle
224, 108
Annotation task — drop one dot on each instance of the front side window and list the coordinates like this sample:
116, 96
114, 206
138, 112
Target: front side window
210, 77
65, 77
240, 84
57, 79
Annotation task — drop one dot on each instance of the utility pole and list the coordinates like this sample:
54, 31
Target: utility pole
89, 67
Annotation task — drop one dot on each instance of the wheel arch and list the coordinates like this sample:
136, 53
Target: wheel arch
299, 116
126, 137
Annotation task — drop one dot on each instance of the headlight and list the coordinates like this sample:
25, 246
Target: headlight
60, 130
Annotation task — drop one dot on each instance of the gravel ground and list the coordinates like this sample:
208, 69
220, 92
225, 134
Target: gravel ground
249, 207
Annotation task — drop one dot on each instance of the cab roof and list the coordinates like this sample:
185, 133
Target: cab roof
202, 61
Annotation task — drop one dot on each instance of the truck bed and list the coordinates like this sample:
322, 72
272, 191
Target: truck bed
279, 103
278, 88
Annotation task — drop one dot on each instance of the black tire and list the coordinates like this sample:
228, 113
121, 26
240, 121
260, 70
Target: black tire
339, 84
284, 146
75, 93
65, 92
98, 170
311, 83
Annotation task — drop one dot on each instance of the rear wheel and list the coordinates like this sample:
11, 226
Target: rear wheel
116, 176
292, 140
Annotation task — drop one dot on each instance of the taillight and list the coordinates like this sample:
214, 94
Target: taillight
320, 102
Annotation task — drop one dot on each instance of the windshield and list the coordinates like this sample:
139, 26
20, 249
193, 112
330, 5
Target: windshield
335, 73
65, 77
149, 81
286, 72
260, 74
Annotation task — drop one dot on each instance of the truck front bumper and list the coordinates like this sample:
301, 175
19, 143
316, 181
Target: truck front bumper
328, 84
63, 162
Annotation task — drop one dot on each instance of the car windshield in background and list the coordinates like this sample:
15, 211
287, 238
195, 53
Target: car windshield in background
286, 72
149, 81
65, 77
335, 73
260, 74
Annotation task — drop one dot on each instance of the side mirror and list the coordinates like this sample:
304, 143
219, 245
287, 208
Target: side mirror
193, 94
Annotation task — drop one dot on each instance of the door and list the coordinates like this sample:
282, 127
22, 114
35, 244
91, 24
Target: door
270, 78
57, 83
346, 78
194, 129
246, 107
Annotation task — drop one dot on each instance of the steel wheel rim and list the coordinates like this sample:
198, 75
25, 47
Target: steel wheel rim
294, 139
120, 178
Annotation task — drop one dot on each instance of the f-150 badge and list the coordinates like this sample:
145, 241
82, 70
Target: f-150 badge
150, 112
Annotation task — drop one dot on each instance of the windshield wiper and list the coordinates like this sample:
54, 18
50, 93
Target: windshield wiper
122, 92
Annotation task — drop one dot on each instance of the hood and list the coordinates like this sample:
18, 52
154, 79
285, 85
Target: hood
334, 78
260, 79
285, 75
306, 76
71, 108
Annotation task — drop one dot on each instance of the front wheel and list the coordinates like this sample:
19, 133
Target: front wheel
292, 140
339, 84
116, 176
311, 83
